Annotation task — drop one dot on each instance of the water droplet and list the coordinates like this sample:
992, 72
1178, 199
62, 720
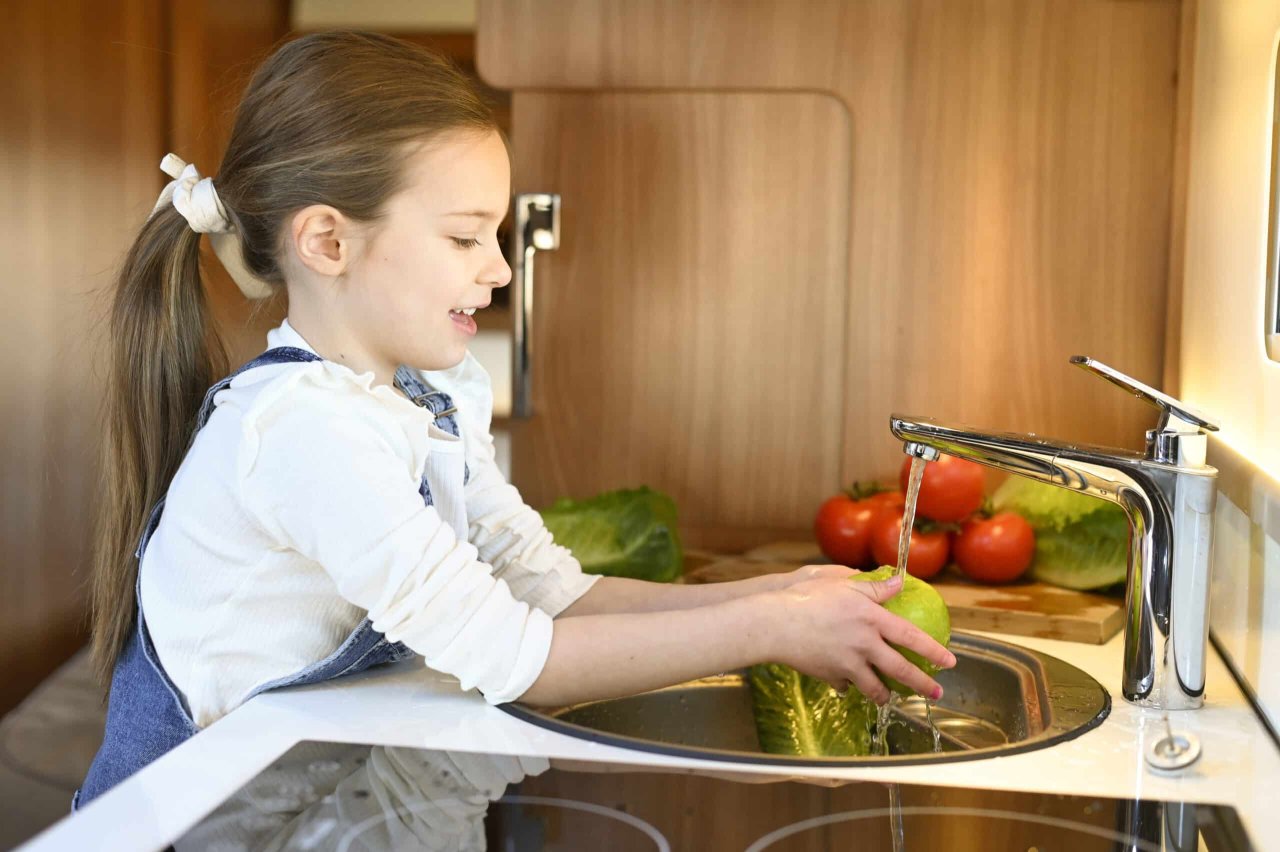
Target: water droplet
323, 767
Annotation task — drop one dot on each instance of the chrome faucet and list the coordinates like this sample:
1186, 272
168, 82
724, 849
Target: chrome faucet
1168, 495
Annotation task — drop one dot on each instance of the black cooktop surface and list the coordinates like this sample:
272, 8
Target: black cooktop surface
333, 796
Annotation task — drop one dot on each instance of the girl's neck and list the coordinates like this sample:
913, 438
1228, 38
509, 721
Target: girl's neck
335, 345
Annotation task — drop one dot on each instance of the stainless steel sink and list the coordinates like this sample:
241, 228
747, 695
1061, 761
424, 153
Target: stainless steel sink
999, 699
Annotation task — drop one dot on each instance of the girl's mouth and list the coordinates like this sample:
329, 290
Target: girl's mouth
464, 320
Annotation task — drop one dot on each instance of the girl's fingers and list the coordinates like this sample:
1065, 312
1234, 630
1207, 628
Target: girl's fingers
869, 685
880, 590
892, 664
899, 631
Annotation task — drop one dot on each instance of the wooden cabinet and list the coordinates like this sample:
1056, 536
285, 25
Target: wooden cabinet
95, 95
784, 221
690, 329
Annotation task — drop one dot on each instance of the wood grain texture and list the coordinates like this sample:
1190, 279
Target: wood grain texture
1032, 609
690, 330
1010, 203
1178, 204
95, 96
83, 122
461, 48
1023, 218
1023, 608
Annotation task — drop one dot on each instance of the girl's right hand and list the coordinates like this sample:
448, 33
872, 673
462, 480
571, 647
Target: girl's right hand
839, 631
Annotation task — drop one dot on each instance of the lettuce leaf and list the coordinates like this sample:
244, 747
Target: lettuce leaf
801, 715
1082, 542
627, 533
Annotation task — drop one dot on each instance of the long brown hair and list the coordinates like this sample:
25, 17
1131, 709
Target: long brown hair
328, 118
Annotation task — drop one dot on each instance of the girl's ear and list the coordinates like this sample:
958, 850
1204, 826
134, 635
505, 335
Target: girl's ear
323, 240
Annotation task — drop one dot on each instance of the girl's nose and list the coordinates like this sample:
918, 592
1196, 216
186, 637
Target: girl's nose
498, 275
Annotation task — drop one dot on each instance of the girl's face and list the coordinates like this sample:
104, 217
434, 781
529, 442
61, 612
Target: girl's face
435, 254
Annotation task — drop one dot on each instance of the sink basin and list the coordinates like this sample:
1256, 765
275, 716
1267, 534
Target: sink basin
999, 699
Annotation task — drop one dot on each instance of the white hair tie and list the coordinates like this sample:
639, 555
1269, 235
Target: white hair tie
196, 199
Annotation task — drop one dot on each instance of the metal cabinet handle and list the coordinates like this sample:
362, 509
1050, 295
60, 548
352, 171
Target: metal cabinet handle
537, 228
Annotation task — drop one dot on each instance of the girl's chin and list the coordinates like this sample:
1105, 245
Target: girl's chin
443, 361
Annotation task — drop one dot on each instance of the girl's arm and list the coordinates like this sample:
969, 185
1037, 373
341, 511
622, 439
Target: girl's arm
825, 627
510, 536
613, 595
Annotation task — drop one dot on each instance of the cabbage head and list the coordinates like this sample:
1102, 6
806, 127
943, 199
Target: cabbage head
628, 533
1082, 542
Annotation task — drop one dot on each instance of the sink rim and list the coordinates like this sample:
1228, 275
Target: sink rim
1059, 724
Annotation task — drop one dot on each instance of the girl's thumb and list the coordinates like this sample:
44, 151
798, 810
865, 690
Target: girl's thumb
881, 590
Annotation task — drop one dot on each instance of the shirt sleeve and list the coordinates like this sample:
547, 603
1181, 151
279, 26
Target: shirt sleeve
335, 476
508, 534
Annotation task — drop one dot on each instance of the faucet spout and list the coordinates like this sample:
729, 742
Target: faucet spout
921, 451
1169, 507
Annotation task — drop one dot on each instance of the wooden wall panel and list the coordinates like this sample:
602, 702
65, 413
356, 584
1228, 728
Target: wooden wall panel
84, 108
1014, 212
1012, 172
1178, 213
690, 330
95, 95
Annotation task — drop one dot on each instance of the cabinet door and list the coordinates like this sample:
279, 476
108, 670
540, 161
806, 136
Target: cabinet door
1009, 206
690, 330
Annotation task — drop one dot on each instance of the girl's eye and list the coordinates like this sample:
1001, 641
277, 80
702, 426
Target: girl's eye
465, 243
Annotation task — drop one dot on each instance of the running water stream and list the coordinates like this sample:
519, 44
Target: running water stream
904, 547
909, 511
882, 718
880, 741
937, 737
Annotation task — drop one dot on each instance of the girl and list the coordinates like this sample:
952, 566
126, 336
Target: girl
335, 503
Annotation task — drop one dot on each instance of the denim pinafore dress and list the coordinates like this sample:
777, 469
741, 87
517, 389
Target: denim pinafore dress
146, 714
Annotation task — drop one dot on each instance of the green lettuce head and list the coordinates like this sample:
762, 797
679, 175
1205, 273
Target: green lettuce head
1082, 542
629, 533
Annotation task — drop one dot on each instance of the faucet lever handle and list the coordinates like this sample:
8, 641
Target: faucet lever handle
1170, 407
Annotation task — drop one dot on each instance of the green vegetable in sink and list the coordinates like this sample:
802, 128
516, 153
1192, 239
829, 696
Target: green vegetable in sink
801, 715
1082, 542
628, 533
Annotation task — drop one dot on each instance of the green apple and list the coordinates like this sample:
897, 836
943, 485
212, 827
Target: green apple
919, 603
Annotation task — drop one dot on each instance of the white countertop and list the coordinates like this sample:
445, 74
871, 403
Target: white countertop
412, 707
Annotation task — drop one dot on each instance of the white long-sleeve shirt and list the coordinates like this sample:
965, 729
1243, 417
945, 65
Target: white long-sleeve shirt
296, 513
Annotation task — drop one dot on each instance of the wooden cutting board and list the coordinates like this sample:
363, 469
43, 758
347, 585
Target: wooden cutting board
1023, 609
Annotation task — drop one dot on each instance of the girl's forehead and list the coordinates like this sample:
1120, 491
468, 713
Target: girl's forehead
461, 173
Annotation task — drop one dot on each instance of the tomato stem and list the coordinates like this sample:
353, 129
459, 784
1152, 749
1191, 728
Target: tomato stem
862, 490
927, 525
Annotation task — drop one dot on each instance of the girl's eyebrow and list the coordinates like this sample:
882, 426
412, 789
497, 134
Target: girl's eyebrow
477, 214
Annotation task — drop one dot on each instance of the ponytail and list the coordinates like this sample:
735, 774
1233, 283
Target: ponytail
163, 355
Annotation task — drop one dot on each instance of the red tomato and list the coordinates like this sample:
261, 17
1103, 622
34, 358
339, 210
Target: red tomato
843, 526
843, 529
996, 549
950, 490
892, 501
926, 554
